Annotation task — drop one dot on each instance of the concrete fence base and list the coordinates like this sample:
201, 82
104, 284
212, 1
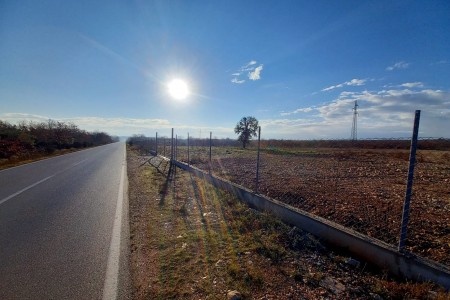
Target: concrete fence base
371, 250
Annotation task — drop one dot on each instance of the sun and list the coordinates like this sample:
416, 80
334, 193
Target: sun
178, 89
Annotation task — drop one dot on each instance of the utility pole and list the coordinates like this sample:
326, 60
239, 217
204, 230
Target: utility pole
354, 136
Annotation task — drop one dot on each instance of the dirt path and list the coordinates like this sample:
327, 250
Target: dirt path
192, 241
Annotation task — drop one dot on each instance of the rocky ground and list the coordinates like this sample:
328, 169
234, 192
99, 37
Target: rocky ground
192, 241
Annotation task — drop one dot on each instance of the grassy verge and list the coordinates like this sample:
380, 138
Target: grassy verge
192, 241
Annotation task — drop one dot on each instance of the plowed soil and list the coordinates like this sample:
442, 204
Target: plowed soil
358, 188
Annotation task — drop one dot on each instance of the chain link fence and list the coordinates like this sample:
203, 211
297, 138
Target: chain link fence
360, 185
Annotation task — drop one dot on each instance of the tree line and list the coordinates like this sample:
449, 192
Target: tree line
30, 139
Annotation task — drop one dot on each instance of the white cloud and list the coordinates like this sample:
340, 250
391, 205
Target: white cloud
249, 66
393, 109
19, 117
356, 82
353, 82
253, 62
235, 80
299, 110
332, 87
412, 84
253, 72
384, 113
256, 73
398, 65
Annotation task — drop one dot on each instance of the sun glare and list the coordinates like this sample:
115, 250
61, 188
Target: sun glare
178, 89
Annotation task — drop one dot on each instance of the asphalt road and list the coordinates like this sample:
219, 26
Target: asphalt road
64, 226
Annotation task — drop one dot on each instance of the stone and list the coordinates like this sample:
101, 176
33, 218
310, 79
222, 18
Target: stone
353, 262
332, 285
376, 296
220, 263
234, 295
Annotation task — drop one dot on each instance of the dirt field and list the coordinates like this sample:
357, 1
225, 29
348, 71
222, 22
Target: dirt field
362, 189
192, 241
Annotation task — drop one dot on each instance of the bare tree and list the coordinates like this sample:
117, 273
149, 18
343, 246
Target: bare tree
247, 128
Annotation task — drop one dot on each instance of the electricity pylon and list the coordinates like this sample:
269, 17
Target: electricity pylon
354, 135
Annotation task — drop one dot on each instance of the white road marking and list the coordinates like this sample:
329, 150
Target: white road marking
111, 283
38, 182
27, 188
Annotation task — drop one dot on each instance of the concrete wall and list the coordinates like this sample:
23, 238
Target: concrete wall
366, 248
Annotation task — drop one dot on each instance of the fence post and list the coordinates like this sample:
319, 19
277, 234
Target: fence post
210, 146
156, 141
171, 148
176, 146
257, 160
188, 149
409, 183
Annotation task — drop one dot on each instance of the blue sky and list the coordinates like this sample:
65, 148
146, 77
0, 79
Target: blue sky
297, 66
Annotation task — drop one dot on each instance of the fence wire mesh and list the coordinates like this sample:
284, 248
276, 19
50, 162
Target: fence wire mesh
360, 186
354, 190
429, 226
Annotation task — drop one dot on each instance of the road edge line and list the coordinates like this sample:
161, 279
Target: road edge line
111, 284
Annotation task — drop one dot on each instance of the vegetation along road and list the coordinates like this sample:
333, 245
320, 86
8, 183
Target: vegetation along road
63, 227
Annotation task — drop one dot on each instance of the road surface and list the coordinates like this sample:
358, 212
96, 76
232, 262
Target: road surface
64, 226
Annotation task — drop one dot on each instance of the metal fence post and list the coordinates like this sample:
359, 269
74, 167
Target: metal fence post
210, 146
164, 146
188, 149
171, 148
156, 141
257, 160
409, 184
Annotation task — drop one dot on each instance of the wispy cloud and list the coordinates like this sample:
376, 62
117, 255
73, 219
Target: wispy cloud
353, 82
253, 72
440, 62
398, 65
412, 85
299, 110
248, 67
251, 63
235, 80
19, 117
